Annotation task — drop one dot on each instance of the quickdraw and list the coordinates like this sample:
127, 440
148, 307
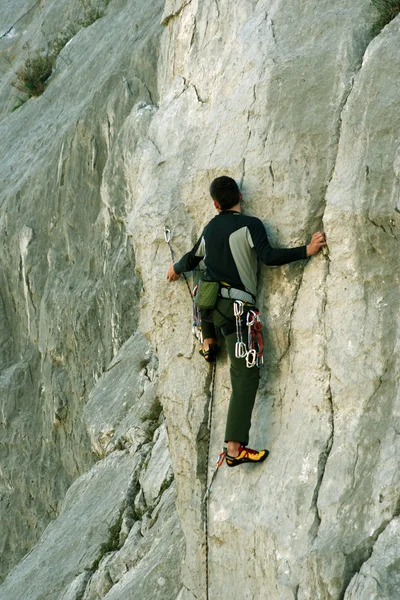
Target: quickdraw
253, 352
196, 324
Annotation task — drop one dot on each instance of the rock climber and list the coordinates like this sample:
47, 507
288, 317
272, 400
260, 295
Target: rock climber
231, 246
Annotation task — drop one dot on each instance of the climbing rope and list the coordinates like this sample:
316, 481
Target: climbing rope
196, 328
219, 462
167, 237
196, 324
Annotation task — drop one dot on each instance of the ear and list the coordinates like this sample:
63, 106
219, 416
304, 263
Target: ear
217, 205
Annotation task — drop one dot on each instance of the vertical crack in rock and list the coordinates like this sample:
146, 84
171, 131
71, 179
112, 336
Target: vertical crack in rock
149, 93
342, 106
203, 434
272, 27
199, 99
118, 531
193, 33
289, 334
243, 167
324, 456
338, 132
243, 163
363, 551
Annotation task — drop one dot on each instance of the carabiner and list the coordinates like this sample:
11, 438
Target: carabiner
250, 318
167, 234
238, 308
240, 350
251, 358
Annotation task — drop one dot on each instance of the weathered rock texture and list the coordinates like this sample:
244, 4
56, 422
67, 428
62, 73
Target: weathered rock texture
298, 102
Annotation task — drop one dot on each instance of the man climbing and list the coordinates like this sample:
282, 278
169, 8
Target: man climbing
231, 245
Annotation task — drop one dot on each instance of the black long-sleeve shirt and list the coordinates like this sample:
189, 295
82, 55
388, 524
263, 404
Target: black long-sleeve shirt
230, 245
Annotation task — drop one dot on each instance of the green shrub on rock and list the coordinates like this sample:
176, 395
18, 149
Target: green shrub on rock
33, 74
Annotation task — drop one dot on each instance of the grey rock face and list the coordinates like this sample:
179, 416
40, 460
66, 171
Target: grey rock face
298, 102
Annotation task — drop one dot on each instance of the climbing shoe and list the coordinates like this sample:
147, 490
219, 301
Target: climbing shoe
211, 354
246, 455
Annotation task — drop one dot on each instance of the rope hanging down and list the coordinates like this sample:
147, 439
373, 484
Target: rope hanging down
221, 456
196, 325
167, 237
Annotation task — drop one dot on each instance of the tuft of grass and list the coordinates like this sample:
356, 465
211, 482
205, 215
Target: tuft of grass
33, 74
388, 10
62, 39
31, 77
91, 13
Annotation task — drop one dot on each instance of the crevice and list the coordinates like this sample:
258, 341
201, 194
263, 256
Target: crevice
203, 435
338, 133
249, 134
271, 171
193, 33
324, 456
150, 96
214, 145
289, 334
363, 551
155, 146
216, 4
322, 461
355, 465
379, 226
128, 86
272, 26
199, 99
168, 18
243, 167
20, 18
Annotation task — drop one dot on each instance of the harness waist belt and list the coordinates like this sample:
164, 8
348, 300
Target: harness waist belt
236, 294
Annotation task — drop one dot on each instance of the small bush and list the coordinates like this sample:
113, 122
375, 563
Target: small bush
388, 10
31, 77
62, 39
90, 13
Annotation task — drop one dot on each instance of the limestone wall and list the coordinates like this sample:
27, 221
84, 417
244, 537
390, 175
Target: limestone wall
105, 398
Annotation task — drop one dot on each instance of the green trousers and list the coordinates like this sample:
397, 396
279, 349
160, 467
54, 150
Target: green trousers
244, 381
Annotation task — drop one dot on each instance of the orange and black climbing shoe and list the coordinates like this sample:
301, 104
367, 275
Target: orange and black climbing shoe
246, 455
211, 354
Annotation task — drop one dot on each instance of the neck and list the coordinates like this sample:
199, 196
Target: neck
236, 208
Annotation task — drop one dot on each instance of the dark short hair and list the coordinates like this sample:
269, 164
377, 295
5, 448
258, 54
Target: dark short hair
225, 191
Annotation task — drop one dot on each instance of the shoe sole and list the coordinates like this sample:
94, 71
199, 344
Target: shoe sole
236, 463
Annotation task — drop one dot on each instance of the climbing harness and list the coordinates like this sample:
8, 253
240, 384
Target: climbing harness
253, 352
196, 324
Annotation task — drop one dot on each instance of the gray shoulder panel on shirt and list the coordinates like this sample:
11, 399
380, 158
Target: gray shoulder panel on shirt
201, 250
241, 246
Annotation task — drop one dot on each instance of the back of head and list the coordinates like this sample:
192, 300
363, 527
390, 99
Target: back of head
225, 191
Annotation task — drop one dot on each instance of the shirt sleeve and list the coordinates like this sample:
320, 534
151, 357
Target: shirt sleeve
191, 259
269, 255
